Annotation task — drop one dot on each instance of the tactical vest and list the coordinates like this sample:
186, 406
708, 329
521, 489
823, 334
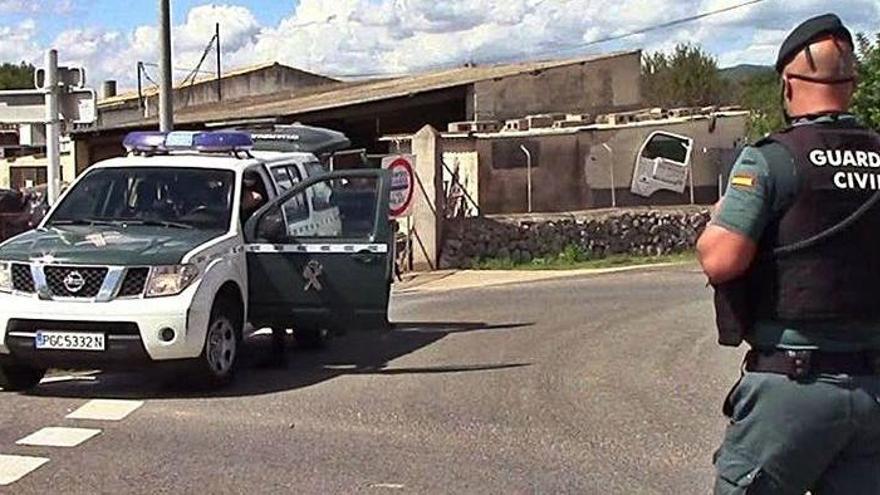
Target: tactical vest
838, 170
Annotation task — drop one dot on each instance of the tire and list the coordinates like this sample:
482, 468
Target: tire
19, 378
216, 366
311, 338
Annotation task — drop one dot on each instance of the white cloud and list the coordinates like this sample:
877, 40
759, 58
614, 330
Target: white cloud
394, 36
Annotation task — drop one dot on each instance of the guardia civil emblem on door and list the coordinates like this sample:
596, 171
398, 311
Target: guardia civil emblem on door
311, 273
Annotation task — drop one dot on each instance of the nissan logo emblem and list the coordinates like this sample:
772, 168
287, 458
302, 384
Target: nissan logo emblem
74, 282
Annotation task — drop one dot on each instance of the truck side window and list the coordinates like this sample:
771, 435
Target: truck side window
282, 179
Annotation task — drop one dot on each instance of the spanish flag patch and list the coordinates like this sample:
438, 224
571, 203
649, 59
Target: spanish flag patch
743, 181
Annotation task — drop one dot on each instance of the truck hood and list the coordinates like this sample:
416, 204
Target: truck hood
106, 245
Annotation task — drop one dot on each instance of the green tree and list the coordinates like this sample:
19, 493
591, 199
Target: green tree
761, 94
866, 103
686, 77
14, 76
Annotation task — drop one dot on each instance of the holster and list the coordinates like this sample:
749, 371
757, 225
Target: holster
734, 315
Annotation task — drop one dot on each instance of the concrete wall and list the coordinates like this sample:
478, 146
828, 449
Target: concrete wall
602, 86
573, 171
258, 82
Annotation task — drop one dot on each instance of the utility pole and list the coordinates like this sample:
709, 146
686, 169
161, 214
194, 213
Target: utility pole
53, 127
219, 71
166, 103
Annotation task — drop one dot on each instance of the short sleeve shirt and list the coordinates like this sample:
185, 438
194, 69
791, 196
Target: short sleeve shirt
763, 184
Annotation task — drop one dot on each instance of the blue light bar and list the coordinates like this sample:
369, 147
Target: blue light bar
209, 142
144, 141
180, 140
222, 141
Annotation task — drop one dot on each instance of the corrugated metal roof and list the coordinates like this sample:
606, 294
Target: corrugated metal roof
337, 95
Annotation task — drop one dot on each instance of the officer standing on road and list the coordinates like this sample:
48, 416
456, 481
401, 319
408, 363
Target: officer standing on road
797, 237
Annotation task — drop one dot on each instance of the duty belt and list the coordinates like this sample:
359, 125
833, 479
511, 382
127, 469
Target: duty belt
802, 364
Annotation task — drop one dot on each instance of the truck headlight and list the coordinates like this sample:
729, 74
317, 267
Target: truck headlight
5, 276
170, 280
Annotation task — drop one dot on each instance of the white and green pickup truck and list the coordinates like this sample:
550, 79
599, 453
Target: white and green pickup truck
170, 254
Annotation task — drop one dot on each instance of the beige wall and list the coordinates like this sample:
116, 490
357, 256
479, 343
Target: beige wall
601, 86
573, 171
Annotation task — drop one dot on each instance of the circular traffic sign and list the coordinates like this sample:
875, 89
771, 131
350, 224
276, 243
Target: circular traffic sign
402, 179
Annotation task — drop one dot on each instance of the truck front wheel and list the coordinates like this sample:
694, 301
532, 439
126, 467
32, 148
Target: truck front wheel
216, 366
18, 378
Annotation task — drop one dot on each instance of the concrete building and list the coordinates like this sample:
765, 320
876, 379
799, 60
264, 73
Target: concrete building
636, 159
367, 110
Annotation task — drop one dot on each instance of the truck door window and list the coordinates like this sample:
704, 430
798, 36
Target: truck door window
348, 210
254, 194
282, 179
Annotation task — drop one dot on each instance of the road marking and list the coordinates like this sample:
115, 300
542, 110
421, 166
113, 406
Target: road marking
106, 410
390, 486
59, 437
16, 467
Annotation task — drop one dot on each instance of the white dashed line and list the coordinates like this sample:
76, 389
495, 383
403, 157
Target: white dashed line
59, 437
106, 410
16, 467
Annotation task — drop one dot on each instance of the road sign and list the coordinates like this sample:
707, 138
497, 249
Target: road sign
79, 106
402, 182
73, 77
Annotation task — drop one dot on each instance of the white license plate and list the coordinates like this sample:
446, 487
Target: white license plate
69, 341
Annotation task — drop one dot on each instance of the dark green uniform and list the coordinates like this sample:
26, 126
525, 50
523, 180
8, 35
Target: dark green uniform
789, 436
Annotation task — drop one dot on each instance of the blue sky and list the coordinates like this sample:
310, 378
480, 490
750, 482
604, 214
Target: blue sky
127, 15
360, 37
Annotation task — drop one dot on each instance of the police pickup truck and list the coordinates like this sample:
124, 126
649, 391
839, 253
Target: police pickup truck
168, 254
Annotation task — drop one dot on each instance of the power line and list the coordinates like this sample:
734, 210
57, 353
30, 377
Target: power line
656, 27
579, 46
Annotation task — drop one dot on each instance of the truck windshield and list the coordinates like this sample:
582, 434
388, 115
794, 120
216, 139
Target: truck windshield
189, 198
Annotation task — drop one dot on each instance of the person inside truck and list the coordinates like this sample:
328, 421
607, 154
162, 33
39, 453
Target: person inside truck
253, 195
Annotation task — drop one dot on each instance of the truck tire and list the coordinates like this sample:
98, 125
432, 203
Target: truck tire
18, 378
216, 366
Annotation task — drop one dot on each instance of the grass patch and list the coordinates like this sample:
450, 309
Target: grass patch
570, 260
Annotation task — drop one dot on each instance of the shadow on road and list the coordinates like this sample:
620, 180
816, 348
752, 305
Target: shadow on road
357, 353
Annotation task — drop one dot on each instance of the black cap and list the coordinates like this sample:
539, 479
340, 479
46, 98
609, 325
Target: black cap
808, 32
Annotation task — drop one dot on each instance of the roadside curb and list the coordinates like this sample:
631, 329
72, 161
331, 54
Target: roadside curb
469, 279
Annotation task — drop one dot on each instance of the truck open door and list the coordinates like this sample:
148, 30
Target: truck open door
338, 272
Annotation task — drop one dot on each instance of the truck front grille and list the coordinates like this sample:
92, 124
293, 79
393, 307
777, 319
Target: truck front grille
65, 281
22, 280
134, 282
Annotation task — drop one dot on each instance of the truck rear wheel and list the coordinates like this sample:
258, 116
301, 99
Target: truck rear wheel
219, 360
18, 378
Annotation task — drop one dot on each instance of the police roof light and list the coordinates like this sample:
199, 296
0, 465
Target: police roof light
160, 142
148, 141
222, 141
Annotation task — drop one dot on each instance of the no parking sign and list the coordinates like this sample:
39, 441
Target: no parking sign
402, 182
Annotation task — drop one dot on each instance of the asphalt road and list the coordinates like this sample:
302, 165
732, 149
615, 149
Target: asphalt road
605, 384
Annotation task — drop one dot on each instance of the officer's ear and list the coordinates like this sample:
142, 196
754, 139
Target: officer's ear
787, 90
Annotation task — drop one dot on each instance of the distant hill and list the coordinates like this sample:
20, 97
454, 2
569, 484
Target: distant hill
739, 73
